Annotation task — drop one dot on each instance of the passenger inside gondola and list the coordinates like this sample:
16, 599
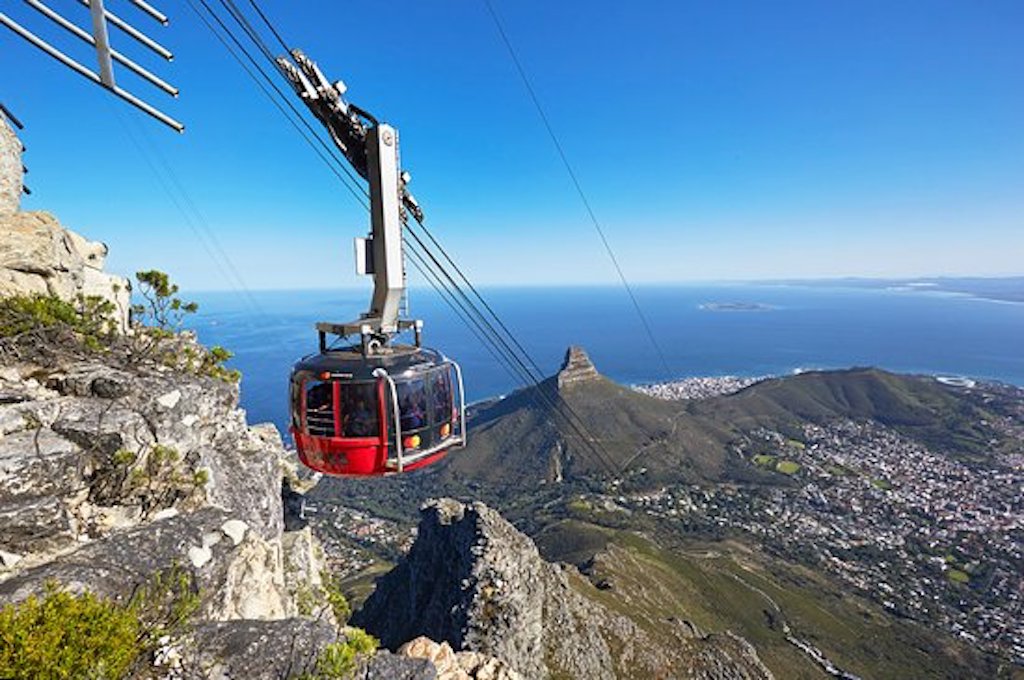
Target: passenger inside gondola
412, 405
359, 421
442, 397
359, 417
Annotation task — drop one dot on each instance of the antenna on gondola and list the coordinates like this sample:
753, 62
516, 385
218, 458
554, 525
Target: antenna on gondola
98, 37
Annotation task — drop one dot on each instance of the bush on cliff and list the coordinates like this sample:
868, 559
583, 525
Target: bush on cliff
45, 328
338, 660
158, 321
26, 321
154, 478
59, 635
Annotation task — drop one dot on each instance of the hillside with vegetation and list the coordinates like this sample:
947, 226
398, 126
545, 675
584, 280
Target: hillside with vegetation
806, 514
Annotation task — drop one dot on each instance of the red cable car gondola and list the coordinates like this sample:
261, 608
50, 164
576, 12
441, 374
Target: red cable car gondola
395, 411
372, 408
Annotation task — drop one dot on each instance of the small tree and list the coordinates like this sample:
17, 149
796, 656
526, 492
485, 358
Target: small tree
159, 319
163, 309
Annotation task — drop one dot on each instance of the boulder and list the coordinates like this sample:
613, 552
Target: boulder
248, 649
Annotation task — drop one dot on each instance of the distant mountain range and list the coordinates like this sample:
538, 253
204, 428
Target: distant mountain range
1003, 289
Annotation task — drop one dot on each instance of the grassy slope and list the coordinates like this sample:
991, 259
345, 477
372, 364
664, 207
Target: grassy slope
918, 407
727, 586
513, 443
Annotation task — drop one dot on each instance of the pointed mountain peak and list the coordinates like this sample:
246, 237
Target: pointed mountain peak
577, 368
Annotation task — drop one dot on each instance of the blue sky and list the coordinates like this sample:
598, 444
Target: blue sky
716, 141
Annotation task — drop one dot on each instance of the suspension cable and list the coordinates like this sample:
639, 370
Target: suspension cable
442, 280
312, 138
281, 41
579, 187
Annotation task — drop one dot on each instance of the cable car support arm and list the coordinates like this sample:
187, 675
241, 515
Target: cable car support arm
371, 147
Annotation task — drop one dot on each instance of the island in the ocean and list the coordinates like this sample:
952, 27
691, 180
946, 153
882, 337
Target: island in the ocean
736, 307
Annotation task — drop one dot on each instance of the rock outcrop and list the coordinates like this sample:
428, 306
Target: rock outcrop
79, 445
474, 581
39, 256
577, 368
10, 170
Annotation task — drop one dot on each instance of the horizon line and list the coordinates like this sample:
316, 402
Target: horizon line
645, 284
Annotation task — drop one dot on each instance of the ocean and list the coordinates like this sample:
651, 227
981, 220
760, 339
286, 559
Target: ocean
702, 330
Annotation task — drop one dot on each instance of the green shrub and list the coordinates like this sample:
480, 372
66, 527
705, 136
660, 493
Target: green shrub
44, 326
338, 659
87, 321
332, 593
60, 636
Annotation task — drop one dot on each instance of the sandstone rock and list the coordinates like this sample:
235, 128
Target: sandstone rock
39, 256
452, 665
235, 530
10, 169
576, 368
254, 584
9, 559
304, 563
199, 555
169, 400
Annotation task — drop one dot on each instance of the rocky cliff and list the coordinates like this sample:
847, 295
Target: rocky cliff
111, 475
10, 169
474, 581
124, 476
39, 256
576, 369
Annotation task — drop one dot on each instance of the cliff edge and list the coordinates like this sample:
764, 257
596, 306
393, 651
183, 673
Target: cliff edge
473, 580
